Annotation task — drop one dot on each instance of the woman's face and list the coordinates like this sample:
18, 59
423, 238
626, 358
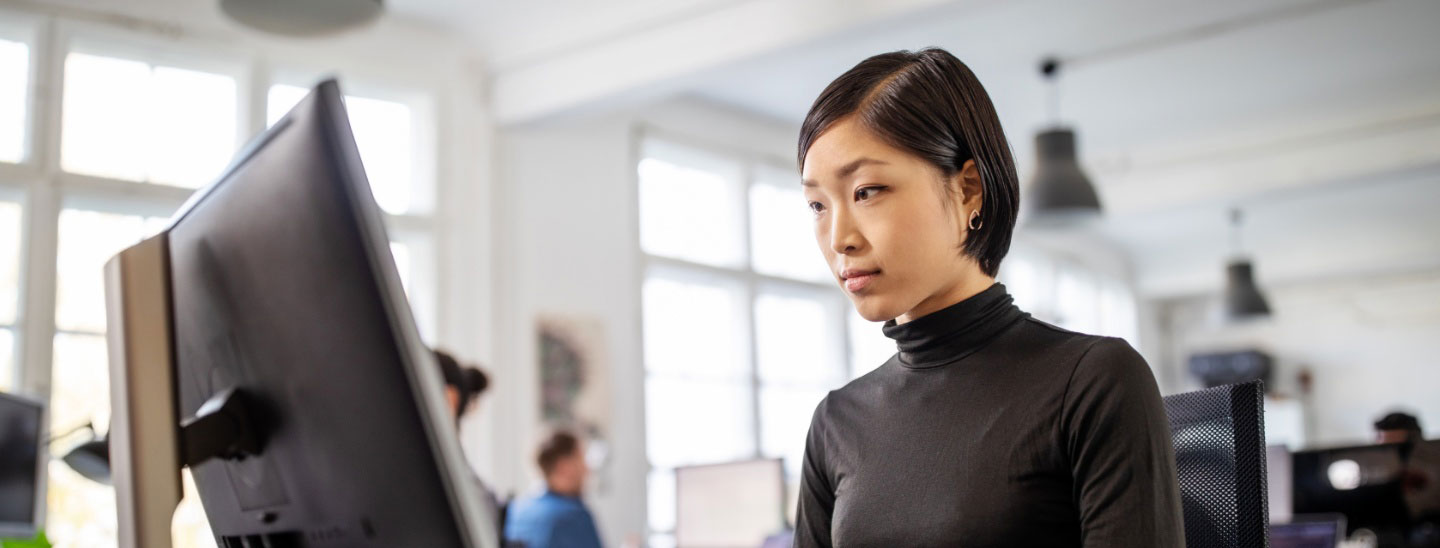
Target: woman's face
883, 225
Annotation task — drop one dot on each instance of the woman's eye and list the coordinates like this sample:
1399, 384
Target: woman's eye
816, 207
866, 193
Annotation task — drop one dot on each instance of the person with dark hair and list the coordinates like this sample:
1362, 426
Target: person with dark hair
557, 517
1398, 427
463, 386
988, 427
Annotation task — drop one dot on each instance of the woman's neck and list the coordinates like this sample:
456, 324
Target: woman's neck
964, 288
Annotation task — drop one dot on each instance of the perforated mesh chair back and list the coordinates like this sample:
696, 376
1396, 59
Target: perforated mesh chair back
1219, 437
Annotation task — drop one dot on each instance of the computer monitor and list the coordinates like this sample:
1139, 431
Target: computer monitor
728, 505
287, 320
21, 466
1308, 531
1385, 488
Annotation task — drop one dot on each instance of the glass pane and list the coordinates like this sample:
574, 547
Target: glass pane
691, 214
7, 360
869, 347
105, 122
694, 329
126, 120
280, 100
782, 233
80, 513
9, 261
1077, 302
1029, 282
190, 528
401, 253
662, 499
80, 382
797, 341
784, 421
14, 82
697, 422
193, 126
1118, 314
88, 239
384, 135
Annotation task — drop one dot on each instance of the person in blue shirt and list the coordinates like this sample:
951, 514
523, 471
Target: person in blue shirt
557, 517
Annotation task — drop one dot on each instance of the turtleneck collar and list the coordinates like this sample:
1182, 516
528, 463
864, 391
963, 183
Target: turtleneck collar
949, 334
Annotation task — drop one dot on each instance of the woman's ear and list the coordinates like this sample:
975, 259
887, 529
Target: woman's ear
972, 189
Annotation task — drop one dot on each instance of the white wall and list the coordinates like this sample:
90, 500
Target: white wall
566, 229
1372, 344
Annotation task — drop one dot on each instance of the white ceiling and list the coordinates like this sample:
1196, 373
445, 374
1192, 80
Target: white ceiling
1266, 117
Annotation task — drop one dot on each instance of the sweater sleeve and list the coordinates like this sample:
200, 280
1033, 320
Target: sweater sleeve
1122, 461
817, 495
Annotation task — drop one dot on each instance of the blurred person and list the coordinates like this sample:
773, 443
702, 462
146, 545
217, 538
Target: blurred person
988, 427
463, 387
1398, 428
556, 517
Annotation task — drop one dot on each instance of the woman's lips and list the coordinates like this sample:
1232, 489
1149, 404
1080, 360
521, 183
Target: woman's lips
859, 280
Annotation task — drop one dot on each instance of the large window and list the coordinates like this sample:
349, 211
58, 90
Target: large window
741, 317
1072, 296
14, 83
138, 123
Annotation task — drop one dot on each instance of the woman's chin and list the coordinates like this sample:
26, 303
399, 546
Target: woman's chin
873, 308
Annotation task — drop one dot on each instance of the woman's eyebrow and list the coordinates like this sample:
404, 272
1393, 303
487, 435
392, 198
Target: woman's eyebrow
847, 170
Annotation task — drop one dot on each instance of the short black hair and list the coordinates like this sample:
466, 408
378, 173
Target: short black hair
1399, 421
558, 445
930, 104
468, 382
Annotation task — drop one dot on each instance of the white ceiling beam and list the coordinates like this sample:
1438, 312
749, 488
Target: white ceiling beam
668, 53
1257, 170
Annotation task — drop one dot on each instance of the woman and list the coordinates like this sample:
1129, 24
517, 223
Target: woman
988, 428
463, 386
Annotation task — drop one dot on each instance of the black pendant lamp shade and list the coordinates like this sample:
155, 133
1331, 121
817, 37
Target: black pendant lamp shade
1060, 194
1242, 297
1243, 300
1060, 189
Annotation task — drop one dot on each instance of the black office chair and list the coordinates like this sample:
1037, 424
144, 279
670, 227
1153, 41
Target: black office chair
1219, 436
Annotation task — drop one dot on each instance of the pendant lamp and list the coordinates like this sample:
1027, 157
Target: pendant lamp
302, 18
1060, 193
1243, 300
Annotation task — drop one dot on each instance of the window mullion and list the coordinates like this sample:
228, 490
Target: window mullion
752, 292
37, 288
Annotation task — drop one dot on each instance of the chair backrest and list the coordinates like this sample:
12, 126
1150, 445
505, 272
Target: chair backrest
1219, 437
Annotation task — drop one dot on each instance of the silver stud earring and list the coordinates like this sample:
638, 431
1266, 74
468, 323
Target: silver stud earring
975, 222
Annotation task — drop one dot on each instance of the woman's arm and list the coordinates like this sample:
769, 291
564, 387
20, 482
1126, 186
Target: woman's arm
817, 496
1122, 461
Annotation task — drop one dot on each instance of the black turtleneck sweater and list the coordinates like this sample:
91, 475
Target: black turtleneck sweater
991, 428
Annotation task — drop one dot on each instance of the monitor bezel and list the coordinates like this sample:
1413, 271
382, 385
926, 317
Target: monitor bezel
26, 530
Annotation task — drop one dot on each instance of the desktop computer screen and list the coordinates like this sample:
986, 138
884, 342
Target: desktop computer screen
282, 287
730, 504
1393, 489
21, 436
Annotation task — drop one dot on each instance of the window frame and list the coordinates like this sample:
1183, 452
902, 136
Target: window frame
43, 190
751, 282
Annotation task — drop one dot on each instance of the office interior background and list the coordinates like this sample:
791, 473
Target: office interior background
623, 172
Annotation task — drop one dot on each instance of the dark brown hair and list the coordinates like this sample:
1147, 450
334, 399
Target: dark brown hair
468, 382
929, 104
559, 445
